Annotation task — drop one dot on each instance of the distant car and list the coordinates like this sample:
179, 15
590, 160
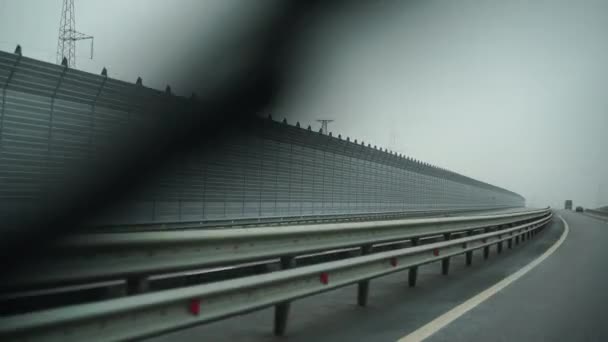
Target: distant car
579, 209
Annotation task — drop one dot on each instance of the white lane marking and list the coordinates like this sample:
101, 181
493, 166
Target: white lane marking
450, 316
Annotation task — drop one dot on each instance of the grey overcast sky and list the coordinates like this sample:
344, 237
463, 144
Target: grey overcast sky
513, 93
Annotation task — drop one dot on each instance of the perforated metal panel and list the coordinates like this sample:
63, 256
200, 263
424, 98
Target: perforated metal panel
51, 116
281, 170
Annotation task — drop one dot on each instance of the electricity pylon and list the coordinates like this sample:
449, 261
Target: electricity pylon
66, 44
324, 123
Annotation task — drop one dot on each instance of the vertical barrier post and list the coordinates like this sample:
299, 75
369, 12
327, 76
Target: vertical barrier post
48, 162
4, 89
413, 271
499, 245
137, 285
363, 286
469, 254
445, 262
291, 174
445, 266
486, 249
281, 310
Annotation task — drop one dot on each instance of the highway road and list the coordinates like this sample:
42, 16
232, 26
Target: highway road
598, 217
563, 298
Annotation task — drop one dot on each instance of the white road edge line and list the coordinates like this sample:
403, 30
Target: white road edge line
433, 326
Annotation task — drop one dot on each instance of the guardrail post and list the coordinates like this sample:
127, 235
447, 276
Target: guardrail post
445, 266
445, 262
136, 285
469, 254
469, 258
363, 287
413, 271
486, 249
499, 245
517, 239
510, 241
281, 310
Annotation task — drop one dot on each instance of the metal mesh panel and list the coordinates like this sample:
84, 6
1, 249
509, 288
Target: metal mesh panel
51, 116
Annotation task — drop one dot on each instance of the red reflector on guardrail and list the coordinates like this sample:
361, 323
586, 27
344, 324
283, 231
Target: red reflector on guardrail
324, 278
195, 307
436, 252
394, 262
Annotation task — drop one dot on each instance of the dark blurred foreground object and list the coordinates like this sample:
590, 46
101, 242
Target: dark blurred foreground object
45, 195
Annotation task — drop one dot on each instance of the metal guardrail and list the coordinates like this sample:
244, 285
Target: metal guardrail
601, 213
158, 312
94, 257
